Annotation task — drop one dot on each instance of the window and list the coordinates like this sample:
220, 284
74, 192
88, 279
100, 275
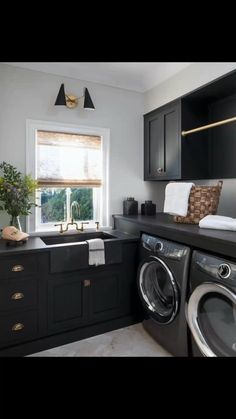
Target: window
70, 164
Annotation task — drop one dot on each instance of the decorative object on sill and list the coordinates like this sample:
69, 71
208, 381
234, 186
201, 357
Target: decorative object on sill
203, 200
130, 206
16, 191
71, 101
148, 208
214, 124
14, 236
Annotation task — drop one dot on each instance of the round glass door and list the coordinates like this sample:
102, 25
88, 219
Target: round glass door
212, 319
158, 290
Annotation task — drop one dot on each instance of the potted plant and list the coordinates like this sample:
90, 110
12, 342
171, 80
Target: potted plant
16, 193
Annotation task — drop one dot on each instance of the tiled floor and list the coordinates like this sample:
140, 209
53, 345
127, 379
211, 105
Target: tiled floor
129, 341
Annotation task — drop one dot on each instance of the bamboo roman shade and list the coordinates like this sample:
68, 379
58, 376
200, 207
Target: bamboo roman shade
68, 160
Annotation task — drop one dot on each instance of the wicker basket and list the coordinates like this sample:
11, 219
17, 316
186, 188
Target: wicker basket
203, 200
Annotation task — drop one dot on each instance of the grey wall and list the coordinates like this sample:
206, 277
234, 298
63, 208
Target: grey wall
26, 94
185, 81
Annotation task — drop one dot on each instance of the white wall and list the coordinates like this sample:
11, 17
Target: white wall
185, 81
192, 77
26, 94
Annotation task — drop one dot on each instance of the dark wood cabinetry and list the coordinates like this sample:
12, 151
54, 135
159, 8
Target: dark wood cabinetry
43, 304
67, 306
162, 143
206, 154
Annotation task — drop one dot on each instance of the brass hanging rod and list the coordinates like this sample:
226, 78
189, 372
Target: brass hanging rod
214, 124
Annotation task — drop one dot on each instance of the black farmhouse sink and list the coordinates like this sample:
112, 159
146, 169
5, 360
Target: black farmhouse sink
73, 238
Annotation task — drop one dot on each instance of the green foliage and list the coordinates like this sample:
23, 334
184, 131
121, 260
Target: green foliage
53, 204
16, 190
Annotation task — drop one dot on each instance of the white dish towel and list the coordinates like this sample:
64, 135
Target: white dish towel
218, 222
176, 198
96, 252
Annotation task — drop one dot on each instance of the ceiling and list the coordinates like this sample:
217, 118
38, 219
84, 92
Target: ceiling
138, 76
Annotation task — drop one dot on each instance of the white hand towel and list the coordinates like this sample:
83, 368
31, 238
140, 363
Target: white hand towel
176, 198
96, 252
218, 222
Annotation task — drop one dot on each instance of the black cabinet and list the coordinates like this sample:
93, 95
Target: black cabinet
162, 143
67, 305
45, 304
87, 297
105, 295
178, 142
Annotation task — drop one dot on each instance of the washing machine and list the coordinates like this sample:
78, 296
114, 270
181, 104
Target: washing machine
211, 306
162, 281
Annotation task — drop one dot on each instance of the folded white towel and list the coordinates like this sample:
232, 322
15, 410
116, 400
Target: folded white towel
96, 252
176, 198
218, 222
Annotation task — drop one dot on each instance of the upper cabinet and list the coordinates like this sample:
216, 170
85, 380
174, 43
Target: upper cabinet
171, 152
162, 143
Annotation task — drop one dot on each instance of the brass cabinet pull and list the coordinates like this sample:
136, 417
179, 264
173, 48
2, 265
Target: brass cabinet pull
87, 283
17, 268
17, 296
17, 327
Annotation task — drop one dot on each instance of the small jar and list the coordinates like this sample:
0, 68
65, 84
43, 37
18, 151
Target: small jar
130, 206
148, 208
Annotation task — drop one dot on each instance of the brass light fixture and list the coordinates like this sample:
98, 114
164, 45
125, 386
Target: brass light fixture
71, 101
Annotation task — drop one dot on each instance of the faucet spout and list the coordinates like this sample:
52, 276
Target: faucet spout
74, 211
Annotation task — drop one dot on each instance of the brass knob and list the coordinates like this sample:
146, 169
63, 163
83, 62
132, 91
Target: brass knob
87, 283
17, 296
17, 268
17, 327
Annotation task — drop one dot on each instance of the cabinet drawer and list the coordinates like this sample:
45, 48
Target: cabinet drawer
18, 327
18, 266
18, 293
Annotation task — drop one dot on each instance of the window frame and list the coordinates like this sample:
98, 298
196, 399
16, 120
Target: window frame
31, 149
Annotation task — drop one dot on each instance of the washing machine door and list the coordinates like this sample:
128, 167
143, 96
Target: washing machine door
158, 290
211, 315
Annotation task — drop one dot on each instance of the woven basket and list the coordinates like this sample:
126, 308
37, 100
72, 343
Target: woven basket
203, 200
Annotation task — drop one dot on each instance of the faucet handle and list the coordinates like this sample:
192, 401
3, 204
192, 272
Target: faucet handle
82, 224
61, 228
97, 225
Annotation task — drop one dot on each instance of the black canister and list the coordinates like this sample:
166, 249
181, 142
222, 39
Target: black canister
130, 207
148, 208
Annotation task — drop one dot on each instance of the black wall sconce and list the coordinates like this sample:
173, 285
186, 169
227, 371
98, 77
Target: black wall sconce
71, 101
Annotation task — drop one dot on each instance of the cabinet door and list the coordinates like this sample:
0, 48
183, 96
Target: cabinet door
67, 301
105, 295
172, 143
154, 152
162, 145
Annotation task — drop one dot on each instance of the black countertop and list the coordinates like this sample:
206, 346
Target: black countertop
35, 244
217, 241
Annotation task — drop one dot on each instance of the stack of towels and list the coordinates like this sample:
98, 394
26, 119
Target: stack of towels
176, 198
218, 222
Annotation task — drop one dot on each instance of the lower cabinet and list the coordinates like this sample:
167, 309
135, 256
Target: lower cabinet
84, 298
67, 301
105, 295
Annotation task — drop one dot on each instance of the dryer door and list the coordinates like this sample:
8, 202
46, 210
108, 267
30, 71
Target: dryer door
158, 290
211, 315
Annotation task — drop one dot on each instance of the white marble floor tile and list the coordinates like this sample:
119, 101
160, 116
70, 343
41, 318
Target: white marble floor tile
129, 341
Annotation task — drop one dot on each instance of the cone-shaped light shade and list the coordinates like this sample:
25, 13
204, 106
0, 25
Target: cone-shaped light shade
61, 97
88, 104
